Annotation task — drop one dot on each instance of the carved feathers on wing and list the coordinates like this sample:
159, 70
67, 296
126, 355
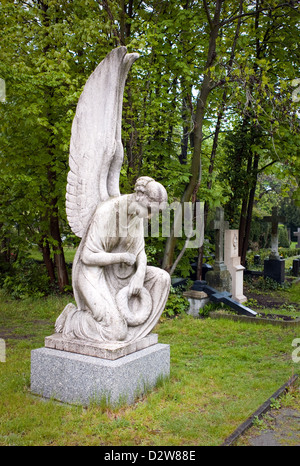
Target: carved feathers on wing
96, 150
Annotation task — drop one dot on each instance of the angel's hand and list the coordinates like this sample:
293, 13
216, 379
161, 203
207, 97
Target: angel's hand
128, 258
135, 285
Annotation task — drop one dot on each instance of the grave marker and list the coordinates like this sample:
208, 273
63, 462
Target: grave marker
219, 278
297, 234
274, 219
274, 266
296, 267
233, 263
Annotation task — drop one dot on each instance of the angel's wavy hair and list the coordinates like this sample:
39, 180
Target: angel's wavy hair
146, 186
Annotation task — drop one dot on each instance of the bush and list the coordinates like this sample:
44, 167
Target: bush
283, 239
26, 277
264, 254
176, 303
265, 284
286, 252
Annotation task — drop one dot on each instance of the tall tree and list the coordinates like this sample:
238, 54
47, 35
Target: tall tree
46, 56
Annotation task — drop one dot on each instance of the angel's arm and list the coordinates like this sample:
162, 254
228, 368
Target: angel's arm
101, 259
137, 281
141, 263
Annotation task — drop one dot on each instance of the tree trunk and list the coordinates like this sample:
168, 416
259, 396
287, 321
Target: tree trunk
59, 257
195, 180
216, 138
44, 246
249, 210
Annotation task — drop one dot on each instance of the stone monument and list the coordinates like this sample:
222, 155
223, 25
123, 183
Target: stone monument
219, 278
233, 264
274, 267
296, 267
103, 346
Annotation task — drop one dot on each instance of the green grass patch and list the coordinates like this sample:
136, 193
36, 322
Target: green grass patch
69, 253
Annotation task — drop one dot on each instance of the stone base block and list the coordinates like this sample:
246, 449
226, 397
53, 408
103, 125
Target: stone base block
79, 379
197, 300
240, 299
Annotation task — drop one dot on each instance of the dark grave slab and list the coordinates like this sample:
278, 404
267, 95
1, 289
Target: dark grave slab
296, 267
177, 282
297, 234
275, 269
257, 259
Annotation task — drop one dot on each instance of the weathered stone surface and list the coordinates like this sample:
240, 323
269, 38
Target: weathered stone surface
274, 219
219, 279
110, 351
197, 300
79, 379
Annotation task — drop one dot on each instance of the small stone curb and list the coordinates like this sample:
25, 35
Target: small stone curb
256, 320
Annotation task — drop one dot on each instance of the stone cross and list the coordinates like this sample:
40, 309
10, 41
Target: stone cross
274, 219
220, 226
297, 234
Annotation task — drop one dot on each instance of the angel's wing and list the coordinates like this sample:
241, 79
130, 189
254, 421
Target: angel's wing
96, 150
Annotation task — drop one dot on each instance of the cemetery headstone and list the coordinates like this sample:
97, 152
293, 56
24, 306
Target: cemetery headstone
297, 234
274, 267
296, 267
219, 278
233, 264
274, 219
197, 300
257, 259
103, 345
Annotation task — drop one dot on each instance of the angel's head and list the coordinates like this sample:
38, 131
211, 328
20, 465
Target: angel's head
150, 197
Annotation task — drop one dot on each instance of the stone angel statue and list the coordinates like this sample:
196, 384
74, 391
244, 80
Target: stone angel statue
119, 298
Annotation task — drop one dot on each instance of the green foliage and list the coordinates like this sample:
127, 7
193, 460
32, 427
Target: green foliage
283, 239
289, 252
49, 49
265, 284
176, 304
26, 277
209, 307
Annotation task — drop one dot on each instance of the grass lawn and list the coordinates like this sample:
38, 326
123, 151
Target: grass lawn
221, 372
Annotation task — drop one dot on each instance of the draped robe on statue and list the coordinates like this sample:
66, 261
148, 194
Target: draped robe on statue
106, 312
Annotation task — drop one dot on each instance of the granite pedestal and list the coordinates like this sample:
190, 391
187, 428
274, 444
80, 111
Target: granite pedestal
81, 379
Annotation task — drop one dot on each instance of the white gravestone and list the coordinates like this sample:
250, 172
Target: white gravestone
233, 264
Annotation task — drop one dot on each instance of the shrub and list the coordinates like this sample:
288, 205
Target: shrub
26, 277
176, 303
